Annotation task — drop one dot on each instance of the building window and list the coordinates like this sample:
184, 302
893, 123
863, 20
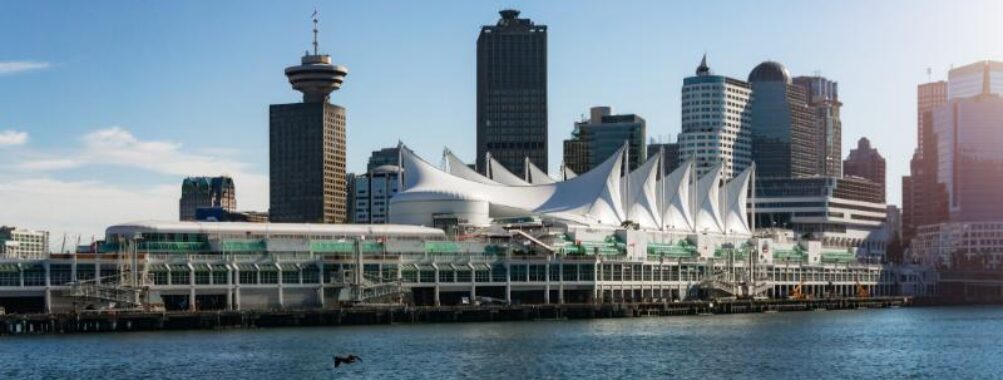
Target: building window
180, 278
269, 277
248, 277
290, 277
202, 277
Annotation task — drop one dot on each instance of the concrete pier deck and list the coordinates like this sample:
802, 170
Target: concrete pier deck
116, 321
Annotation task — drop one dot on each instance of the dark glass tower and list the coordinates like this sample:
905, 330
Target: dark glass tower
784, 139
307, 146
512, 92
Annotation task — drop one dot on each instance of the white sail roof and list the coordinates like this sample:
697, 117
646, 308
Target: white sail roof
599, 197
535, 175
708, 215
642, 194
592, 198
676, 197
568, 173
734, 203
498, 173
456, 166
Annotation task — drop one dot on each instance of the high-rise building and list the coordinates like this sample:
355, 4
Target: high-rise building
512, 92
671, 155
385, 156
823, 99
969, 133
307, 146
784, 143
924, 199
976, 79
373, 191
716, 122
602, 135
576, 154
23, 244
928, 96
206, 192
866, 162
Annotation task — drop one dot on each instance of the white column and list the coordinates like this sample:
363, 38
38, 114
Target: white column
191, 287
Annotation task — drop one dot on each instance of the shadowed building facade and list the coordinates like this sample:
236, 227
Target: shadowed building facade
206, 192
307, 146
512, 93
866, 162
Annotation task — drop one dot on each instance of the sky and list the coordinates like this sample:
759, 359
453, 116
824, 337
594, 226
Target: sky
106, 106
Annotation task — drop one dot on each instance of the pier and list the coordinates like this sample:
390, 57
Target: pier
121, 321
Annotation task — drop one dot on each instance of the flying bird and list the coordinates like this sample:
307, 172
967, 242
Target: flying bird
350, 359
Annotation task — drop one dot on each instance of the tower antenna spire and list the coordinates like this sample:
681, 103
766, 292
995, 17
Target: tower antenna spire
315, 31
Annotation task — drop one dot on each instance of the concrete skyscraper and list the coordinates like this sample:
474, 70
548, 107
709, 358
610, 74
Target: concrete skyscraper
823, 99
716, 122
307, 146
512, 92
866, 162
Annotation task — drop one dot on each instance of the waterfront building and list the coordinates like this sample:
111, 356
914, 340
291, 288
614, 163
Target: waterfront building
823, 99
23, 244
866, 162
844, 214
384, 156
512, 92
670, 159
201, 192
716, 122
275, 266
784, 135
959, 246
307, 146
602, 135
373, 191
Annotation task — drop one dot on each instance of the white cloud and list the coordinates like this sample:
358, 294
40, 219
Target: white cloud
10, 138
81, 207
43, 201
15, 67
118, 147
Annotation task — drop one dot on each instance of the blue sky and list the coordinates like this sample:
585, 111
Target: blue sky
105, 106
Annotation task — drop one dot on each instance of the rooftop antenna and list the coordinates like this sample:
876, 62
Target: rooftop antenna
929, 74
817, 72
314, 31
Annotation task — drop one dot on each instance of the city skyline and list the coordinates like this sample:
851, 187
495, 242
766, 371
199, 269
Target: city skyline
123, 135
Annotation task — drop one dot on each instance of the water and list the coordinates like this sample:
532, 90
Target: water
887, 343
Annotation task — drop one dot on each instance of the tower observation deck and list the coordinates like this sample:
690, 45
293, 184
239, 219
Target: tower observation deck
316, 77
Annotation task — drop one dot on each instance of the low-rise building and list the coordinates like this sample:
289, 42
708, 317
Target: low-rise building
19, 243
842, 213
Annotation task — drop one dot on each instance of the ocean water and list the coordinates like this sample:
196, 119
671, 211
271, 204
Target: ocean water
936, 343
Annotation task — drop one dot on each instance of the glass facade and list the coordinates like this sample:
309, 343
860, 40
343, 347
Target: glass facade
784, 142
